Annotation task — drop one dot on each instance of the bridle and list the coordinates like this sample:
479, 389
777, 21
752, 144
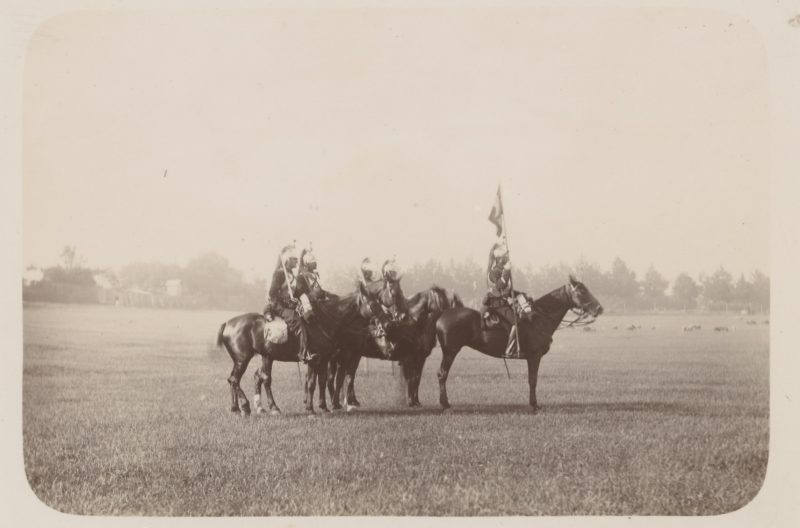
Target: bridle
382, 314
581, 315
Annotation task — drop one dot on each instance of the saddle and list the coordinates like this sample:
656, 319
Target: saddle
491, 318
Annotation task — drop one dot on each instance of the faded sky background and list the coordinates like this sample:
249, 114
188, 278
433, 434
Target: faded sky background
637, 133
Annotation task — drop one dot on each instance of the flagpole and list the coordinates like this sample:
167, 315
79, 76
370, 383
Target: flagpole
510, 274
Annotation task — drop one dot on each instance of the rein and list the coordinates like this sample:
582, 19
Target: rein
578, 321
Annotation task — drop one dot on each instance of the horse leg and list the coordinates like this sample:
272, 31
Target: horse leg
448, 355
420, 364
322, 376
311, 385
350, 374
338, 375
266, 377
409, 369
234, 393
533, 375
333, 368
258, 381
352, 401
234, 380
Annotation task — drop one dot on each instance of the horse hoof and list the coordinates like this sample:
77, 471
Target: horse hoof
337, 407
261, 410
356, 403
235, 409
352, 408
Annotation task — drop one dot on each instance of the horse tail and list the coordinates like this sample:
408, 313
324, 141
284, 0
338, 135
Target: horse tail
220, 336
440, 333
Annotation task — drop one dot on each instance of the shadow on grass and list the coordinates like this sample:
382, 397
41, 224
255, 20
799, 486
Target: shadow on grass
516, 409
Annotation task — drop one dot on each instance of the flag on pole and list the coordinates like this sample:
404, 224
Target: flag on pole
496, 216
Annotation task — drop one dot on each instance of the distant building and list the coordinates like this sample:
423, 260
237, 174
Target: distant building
103, 281
32, 275
174, 287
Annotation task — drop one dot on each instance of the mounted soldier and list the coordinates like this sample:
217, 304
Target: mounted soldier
308, 267
385, 292
288, 288
391, 275
498, 312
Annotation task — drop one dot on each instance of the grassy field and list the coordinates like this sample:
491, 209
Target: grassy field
126, 412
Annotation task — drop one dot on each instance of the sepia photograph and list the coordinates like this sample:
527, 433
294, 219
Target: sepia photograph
415, 260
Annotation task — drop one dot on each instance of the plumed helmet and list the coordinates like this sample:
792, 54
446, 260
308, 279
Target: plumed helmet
288, 252
391, 270
307, 257
367, 268
366, 265
500, 251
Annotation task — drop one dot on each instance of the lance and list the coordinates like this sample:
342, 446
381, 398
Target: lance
510, 280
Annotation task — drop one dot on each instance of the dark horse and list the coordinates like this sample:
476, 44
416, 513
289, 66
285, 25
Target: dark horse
359, 321
244, 336
414, 340
459, 327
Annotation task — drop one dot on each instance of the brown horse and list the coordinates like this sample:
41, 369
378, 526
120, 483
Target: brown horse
460, 327
394, 325
414, 342
359, 320
244, 337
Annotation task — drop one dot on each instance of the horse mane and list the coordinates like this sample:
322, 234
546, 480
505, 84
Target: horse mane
435, 298
542, 301
338, 308
456, 302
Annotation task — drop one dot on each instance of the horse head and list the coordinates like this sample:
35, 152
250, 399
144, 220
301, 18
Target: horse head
581, 298
371, 308
389, 297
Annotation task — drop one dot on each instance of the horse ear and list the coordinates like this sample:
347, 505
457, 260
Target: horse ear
572, 279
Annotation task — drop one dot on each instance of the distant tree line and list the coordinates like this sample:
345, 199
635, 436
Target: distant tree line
209, 281
618, 288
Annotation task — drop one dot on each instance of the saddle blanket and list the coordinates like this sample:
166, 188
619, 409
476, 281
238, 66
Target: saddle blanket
276, 331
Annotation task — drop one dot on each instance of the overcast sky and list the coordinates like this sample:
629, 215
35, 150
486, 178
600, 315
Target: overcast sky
633, 133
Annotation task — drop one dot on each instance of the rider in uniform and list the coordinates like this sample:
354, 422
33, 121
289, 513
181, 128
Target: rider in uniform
498, 302
391, 274
285, 289
308, 267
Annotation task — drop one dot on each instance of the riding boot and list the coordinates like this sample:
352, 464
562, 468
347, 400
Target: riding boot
512, 350
302, 349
